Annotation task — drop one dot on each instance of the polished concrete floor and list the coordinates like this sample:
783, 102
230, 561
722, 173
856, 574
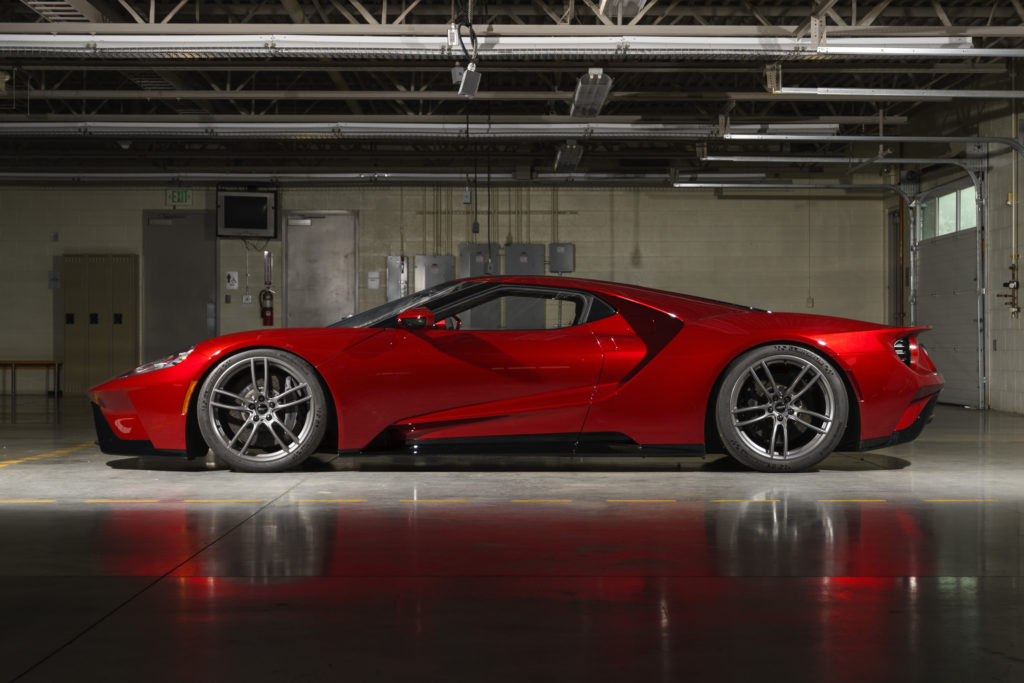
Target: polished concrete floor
903, 564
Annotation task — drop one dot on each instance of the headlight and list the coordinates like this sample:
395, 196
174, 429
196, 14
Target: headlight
168, 362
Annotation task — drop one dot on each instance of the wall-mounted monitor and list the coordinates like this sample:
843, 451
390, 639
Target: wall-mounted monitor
246, 214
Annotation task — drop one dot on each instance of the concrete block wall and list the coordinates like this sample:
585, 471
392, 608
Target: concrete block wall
1005, 333
37, 226
776, 251
773, 252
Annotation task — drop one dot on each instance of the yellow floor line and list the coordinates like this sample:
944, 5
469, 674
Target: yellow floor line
961, 500
51, 454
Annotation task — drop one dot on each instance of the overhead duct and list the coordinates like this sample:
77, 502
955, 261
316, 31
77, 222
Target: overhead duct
172, 44
398, 131
403, 130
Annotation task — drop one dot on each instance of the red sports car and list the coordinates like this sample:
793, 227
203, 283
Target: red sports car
532, 363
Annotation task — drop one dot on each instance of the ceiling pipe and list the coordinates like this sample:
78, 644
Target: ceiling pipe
250, 42
933, 139
967, 166
880, 187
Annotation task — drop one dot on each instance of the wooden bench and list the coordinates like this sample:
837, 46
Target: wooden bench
15, 365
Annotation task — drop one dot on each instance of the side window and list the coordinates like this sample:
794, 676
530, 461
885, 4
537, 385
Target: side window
522, 311
524, 308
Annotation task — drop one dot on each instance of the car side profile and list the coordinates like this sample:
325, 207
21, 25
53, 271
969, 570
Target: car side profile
545, 363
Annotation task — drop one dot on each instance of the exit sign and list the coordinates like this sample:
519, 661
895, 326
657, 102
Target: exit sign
179, 197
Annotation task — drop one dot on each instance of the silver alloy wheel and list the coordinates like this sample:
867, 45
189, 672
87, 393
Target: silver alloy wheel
262, 410
783, 408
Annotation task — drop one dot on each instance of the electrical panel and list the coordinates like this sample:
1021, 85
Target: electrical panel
478, 259
561, 257
524, 259
432, 270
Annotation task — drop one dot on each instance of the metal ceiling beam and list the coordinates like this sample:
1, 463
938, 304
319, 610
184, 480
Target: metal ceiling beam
435, 95
817, 13
745, 121
795, 186
617, 47
760, 137
651, 68
899, 94
512, 30
783, 94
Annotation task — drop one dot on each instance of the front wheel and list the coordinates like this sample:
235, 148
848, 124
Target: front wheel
262, 410
781, 408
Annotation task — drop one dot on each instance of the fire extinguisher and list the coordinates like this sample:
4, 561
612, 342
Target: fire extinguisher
267, 294
267, 307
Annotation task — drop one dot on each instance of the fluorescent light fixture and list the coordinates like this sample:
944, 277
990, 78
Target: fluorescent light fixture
568, 156
470, 81
591, 92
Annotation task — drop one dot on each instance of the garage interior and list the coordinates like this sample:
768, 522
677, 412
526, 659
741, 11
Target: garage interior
851, 158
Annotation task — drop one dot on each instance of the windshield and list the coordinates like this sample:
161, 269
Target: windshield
387, 312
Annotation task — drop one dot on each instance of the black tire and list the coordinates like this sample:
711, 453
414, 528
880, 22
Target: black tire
781, 408
262, 410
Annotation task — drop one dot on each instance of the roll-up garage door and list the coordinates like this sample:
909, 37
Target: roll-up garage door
948, 292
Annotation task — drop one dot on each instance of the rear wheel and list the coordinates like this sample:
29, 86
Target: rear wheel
262, 411
781, 408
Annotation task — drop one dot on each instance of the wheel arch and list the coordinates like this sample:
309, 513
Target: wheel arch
195, 444
851, 435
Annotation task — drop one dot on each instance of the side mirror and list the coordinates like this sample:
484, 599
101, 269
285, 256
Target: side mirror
418, 318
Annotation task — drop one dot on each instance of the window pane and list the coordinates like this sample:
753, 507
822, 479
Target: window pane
946, 220
517, 311
968, 210
928, 220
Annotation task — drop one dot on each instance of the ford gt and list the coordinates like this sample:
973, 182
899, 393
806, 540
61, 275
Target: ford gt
533, 364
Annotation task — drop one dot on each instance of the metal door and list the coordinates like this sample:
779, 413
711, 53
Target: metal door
179, 262
948, 301
98, 316
320, 268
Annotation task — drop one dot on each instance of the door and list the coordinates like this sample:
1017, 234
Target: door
179, 259
949, 295
460, 383
320, 268
99, 318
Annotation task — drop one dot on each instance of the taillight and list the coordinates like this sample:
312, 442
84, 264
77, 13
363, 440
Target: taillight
912, 354
902, 348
